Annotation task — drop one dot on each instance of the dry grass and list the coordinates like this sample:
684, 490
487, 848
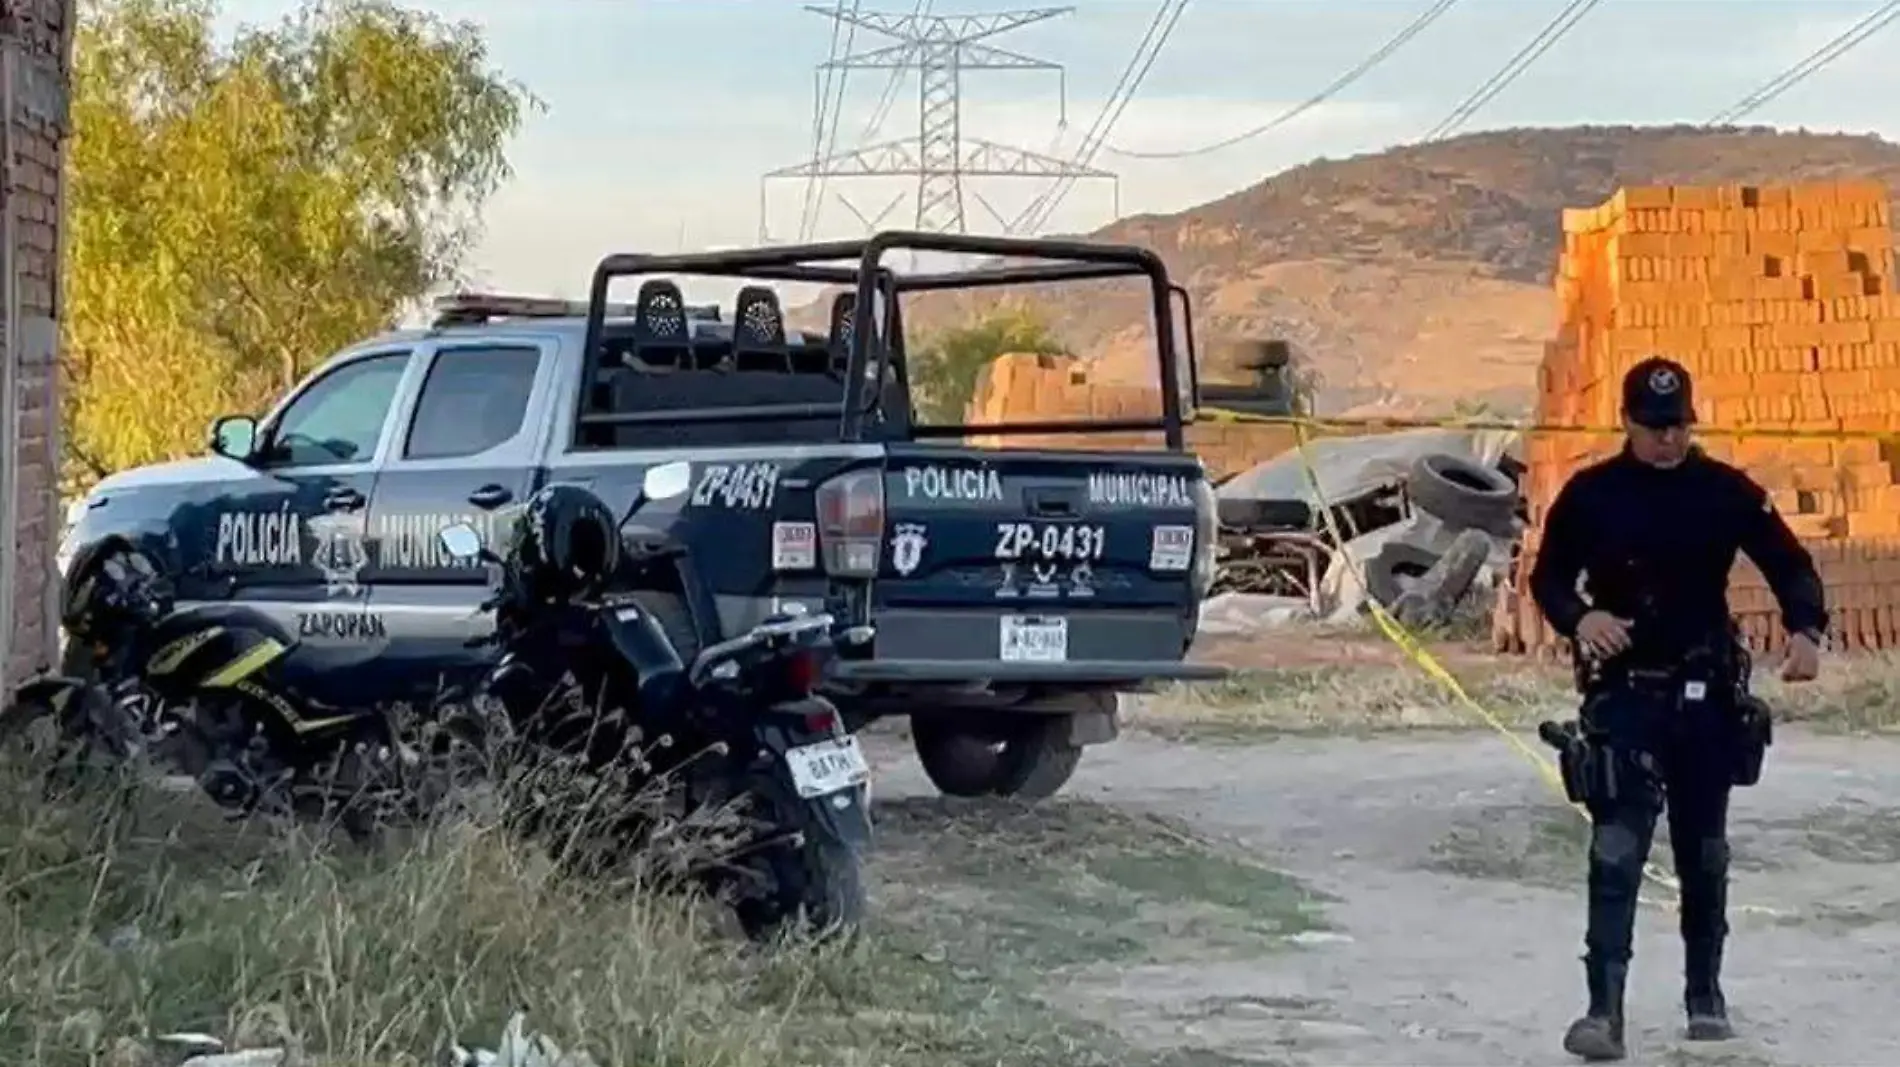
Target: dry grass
127, 911
1859, 693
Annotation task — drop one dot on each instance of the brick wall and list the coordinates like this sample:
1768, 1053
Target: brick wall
1780, 301
1027, 388
37, 35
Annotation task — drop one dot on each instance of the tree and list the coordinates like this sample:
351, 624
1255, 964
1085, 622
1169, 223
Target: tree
944, 370
239, 209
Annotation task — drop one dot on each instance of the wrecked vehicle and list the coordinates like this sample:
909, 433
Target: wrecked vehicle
1013, 592
1401, 502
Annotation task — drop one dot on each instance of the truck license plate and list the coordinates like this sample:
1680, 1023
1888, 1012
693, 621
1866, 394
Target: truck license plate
1035, 639
827, 767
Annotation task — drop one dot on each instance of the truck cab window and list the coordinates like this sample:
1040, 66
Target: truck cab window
473, 400
340, 417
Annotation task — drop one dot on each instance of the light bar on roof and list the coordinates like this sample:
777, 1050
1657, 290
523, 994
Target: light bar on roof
483, 307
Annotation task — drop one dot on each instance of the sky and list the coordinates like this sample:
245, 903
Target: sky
661, 115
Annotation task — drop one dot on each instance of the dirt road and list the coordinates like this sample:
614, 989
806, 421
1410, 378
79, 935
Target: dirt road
1455, 922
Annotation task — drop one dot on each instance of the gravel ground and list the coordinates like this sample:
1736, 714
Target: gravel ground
1457, 925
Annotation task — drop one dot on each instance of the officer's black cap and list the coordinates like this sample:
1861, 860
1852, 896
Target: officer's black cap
1656, 394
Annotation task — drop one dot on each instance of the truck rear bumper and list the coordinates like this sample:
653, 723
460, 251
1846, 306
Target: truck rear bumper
1077, 673
1102, 647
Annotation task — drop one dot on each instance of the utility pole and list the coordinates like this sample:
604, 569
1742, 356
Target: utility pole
940, 48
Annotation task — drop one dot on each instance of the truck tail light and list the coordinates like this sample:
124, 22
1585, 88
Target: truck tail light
851, 523
1206, 537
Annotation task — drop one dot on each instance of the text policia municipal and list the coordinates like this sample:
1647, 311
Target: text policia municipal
1105, 489
283, 539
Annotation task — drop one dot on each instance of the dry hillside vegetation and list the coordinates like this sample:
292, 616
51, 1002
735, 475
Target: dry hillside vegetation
1417, 277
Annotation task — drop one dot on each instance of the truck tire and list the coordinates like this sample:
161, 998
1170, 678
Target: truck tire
1463, 494
1031, 756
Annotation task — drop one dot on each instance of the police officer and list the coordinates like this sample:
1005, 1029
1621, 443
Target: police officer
1666, 719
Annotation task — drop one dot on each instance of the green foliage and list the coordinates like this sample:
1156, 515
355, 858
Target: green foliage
945, 368
240, 209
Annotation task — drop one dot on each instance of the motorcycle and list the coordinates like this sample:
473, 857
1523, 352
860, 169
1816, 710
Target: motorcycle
200, 692
734, 723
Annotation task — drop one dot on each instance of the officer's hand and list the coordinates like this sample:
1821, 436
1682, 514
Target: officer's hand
1804, 659
1602, 634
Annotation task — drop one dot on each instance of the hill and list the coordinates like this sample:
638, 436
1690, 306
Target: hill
1418, 277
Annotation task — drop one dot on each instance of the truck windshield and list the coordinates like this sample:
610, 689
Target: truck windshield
827, 343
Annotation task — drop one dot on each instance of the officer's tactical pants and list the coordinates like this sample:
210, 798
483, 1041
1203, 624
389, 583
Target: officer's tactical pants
1690, 752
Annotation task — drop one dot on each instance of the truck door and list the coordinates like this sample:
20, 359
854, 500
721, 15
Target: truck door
288, 540
467, 454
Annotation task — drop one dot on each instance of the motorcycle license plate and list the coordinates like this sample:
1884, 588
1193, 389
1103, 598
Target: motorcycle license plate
827, 767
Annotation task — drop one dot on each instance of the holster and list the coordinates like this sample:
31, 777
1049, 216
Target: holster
1597, 774
1755, 732
1752, 721
1575, 759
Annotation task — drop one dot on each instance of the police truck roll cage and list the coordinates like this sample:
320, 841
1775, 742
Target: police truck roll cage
1063, 261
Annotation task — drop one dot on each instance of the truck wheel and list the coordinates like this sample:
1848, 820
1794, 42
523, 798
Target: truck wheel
1032, 757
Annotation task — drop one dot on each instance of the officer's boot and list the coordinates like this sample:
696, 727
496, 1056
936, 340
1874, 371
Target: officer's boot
1702, 992
1598, 1036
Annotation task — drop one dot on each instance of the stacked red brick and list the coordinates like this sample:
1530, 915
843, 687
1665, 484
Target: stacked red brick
1780, 301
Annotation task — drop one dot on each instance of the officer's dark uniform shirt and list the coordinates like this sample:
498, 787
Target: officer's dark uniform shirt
1656, 546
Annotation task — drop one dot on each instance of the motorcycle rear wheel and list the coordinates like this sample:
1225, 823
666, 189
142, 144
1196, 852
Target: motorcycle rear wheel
814, 880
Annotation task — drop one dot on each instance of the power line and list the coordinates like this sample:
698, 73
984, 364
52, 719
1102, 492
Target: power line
1547, 37
1160, 28
888, 97
945, 51
1417, 26
837, 114
1815, 61
1141, 47
820, 97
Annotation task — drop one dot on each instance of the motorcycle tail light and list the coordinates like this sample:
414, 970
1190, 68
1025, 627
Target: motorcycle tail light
821, 722
801, 672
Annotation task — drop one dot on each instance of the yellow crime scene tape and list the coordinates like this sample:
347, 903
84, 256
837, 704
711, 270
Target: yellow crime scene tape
1415, 649
1372, 423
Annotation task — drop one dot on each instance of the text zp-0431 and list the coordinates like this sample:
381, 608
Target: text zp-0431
1071, 541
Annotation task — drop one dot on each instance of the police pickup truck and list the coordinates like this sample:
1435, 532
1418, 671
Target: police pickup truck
1014, 592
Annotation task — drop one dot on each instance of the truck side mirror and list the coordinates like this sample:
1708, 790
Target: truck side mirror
235, 437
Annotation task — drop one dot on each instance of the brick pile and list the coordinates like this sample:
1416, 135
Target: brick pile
1780, 301
1029, 388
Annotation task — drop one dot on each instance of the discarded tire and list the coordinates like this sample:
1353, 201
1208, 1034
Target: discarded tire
1433, 599
1392, 571
1264, 514
1462, 494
